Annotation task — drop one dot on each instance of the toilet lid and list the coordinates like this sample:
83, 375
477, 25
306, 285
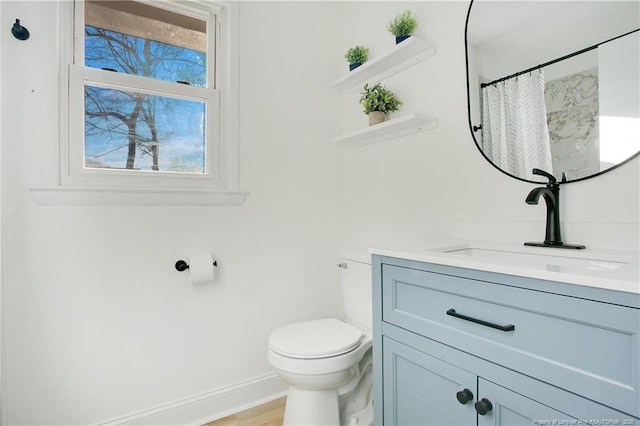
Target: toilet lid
315, 339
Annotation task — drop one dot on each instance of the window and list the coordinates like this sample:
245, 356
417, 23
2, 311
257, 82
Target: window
149, 91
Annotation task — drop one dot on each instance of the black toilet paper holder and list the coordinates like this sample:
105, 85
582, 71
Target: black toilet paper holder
182, 265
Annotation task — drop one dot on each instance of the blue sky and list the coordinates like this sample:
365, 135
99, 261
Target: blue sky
180, 123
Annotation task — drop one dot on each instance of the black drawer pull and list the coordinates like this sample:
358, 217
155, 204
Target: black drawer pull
509, 327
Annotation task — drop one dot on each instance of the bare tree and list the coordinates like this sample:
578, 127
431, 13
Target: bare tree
125, 119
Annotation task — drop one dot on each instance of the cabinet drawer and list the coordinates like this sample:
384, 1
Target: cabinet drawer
587, 347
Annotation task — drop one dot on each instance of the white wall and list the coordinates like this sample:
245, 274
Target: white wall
2, 404
97, 324
436, 184
619, 66
619, 96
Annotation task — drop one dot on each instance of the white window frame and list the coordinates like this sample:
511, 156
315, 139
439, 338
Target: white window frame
72, 183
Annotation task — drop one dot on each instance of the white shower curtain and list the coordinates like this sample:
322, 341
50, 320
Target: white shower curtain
515, 135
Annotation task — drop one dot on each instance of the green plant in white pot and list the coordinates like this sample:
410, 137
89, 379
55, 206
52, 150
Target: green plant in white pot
356, 56
377, 102
402, 25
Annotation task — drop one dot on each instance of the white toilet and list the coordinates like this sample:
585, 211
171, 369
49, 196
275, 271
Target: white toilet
327, 363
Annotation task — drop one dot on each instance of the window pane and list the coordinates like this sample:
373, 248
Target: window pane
136, 131
135, 38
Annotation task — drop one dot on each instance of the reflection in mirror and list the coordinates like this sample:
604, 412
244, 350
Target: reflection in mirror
554, 85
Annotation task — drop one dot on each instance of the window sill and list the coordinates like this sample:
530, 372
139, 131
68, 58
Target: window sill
87, 196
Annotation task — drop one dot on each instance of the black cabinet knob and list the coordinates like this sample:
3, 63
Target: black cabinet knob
464, 396
483, 406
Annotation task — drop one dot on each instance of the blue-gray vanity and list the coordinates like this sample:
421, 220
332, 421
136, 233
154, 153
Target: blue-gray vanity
465, 337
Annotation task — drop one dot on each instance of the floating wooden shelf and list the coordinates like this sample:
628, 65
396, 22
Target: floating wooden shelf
400, 126
404, 55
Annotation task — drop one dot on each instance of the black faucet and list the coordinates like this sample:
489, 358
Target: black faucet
551, 194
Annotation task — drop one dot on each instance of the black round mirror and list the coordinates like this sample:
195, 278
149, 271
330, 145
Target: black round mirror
554, 85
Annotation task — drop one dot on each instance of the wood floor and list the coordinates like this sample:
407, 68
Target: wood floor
269, 414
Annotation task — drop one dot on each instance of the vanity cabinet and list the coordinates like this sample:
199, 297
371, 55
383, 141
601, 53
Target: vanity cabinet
425, 390
455, 346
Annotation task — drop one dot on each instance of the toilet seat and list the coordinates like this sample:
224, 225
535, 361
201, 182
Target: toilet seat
315, 339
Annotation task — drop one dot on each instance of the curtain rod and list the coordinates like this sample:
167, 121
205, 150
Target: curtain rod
586, 49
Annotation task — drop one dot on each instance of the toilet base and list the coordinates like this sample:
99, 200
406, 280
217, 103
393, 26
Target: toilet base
311, 407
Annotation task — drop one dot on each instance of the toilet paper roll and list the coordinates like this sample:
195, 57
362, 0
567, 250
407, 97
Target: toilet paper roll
201, 269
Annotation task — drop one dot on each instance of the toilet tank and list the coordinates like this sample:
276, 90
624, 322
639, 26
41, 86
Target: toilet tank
356, 287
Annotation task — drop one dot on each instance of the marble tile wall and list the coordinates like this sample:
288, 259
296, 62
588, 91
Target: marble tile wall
572, 117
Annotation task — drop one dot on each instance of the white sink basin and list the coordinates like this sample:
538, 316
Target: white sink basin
560, 261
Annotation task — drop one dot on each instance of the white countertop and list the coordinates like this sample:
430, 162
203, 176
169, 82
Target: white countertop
608, 269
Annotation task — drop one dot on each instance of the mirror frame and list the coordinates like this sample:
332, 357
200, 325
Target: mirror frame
466, 52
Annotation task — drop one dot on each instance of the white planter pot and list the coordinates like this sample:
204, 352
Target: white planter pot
376, 117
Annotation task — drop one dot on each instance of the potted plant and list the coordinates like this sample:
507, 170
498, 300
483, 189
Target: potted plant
402, 25
356, 56
377, 101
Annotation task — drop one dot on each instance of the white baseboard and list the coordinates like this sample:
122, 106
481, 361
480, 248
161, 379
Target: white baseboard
211, 405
